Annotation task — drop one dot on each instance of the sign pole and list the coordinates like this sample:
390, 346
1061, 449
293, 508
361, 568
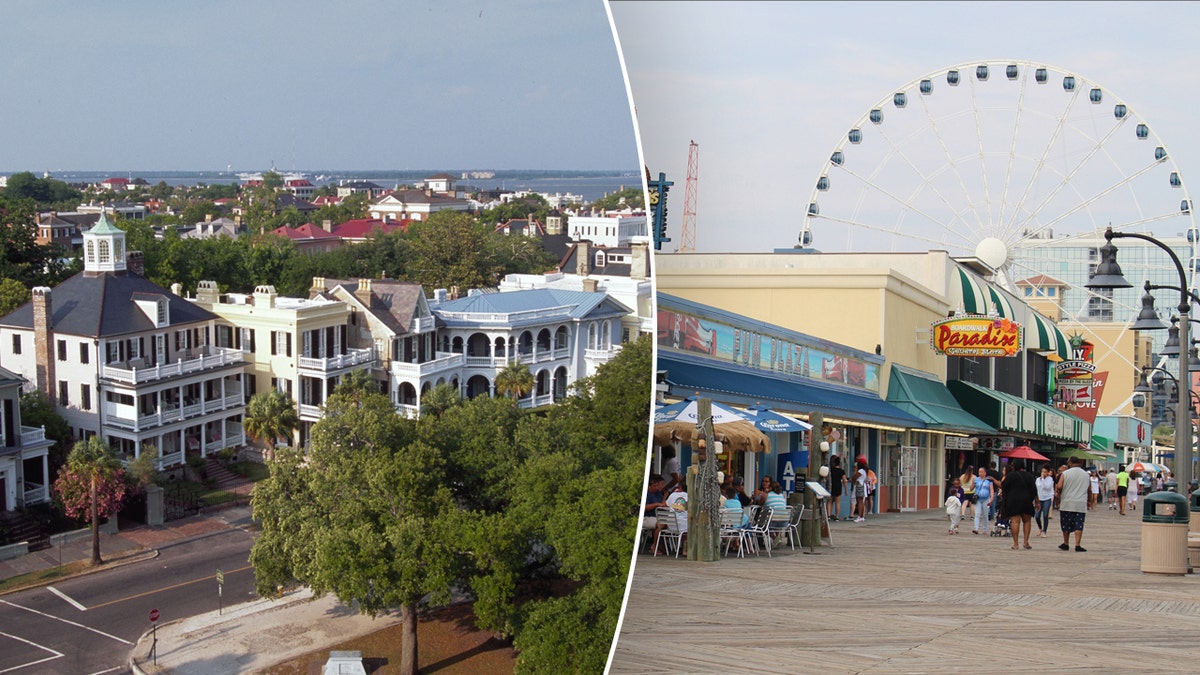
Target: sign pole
154, 635
220, 584
810, 529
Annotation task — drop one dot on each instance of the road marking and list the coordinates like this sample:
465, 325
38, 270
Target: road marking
57, 655
169, 588
66, 597
66, 621
110, 670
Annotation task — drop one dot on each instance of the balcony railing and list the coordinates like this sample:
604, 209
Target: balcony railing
32, 435
423, 324
509, 317
210, 357
444, 361
35, 493
601, 354
536, 401
407, 410
352, 357
310, 412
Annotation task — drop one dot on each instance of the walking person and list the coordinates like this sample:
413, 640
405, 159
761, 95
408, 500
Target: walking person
1073, 486
1122, 488
1135, 484
1110, 485
985, 497
860, 491
1045, 496
1019, 492
1094, 494
954, 504
837, 484
967, 480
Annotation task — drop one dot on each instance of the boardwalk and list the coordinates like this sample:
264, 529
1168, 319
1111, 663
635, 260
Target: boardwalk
899, 595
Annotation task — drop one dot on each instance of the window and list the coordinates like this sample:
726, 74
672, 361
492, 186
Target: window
16, 343
85, 397
83, 352
1028, 291
62, 350
104, 255
1050, 292
162, 312
281, 343
64, 397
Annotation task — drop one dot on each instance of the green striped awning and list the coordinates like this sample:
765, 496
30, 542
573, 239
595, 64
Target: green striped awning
1000, 303
968, 294
1044, 336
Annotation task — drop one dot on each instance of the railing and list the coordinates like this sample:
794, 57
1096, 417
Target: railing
233, 400
445, 361
36, 494
601, 354
310, 411
536, 401
170, 459
423, 324
508, 317
352, 357
408, 410
32, 435
219, 357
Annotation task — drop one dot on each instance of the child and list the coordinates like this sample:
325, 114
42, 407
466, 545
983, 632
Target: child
954, 506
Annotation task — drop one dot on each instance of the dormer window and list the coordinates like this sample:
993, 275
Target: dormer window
162, 312
600, 258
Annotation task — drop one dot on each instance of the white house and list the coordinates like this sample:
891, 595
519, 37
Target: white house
24, 473
124, 358
608, 230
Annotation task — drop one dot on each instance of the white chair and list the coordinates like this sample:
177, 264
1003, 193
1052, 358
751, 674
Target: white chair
758, 529
668, 532
731, 529
780, 525
793, 527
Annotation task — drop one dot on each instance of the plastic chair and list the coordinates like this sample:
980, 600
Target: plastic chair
759, 528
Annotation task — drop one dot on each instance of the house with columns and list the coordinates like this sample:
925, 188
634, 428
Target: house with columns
298, 346
24, 473
124, 358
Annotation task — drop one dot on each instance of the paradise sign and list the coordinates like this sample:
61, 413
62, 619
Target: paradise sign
976, 335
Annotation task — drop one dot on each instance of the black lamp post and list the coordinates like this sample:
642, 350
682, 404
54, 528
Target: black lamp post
1108, 275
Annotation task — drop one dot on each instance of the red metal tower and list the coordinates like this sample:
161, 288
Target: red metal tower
688, 243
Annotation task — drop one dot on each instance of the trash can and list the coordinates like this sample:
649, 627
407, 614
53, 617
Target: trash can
1171, 486
1165, 517
1194, 525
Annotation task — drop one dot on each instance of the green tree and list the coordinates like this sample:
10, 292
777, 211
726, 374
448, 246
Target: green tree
37, 411
451, 249
514, 380
368, 517
13, 294
632, 197
92, 483
270, 416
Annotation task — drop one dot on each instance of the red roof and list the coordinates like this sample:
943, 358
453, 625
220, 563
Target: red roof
298, 182
305, 231
359, 228
327, 200
1040, 280
115, 181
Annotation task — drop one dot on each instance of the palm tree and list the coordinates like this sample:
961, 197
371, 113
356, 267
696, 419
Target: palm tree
269, 417
100, 472
514, 380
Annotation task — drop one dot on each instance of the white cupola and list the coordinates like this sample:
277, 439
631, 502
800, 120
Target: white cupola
103, 247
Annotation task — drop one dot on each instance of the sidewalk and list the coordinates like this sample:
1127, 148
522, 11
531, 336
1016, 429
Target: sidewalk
896, 594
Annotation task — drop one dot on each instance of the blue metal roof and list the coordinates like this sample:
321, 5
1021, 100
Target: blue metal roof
732, 384
579, 304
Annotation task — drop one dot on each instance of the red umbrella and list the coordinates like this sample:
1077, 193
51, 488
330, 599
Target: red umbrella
1024, 452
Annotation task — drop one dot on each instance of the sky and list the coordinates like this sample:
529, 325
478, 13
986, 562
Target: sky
768, 90
356, 84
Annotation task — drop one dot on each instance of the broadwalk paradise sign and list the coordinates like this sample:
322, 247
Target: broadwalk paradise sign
976, 335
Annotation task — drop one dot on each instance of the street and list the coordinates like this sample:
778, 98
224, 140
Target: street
89, 624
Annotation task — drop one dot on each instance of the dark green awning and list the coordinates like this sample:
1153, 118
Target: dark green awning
926, 397
1015, 414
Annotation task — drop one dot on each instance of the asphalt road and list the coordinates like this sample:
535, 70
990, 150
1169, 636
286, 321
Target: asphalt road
89, 624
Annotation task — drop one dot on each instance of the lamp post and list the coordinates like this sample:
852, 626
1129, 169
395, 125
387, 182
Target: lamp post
1108, 275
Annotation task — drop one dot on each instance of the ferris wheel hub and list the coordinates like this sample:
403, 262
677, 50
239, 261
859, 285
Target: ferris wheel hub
993, 252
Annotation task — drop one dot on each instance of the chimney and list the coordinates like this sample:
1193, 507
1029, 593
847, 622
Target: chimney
208, 217
439, 296
582, 261
589, 285
363, 292
641, 261
454, 293
318, 286
327, 225
264, 296
208, 292
177, 289
43, 342
135, 263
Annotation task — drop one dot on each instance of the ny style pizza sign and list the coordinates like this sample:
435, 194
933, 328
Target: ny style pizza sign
975, 335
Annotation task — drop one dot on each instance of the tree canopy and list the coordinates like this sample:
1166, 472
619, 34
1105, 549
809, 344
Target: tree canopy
478, 497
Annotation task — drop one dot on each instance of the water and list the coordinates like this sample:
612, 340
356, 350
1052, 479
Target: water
591, 185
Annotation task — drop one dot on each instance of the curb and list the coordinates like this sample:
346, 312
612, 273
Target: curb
130, 557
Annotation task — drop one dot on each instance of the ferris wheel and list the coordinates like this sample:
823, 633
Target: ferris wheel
995, 159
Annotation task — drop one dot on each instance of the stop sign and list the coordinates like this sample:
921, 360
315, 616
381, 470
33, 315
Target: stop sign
153, 615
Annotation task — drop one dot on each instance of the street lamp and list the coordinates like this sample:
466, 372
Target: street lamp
1108, 275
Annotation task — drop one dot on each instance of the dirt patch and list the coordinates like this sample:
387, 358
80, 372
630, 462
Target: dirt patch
447, 640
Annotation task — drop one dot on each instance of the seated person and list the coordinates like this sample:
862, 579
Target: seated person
775, 499
654, 499
732, 503
760, 495
739, 484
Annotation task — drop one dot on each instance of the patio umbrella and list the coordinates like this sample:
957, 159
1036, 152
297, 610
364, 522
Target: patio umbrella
1025, 452
1144, 467
774, 422
678, 422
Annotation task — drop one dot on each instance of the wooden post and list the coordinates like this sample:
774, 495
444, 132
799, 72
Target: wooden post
810, 530
704, 510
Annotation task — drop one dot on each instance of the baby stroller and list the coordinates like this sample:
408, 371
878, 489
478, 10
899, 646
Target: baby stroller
1000, 527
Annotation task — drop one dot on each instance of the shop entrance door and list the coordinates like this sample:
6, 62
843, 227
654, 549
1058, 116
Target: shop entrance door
908, 478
